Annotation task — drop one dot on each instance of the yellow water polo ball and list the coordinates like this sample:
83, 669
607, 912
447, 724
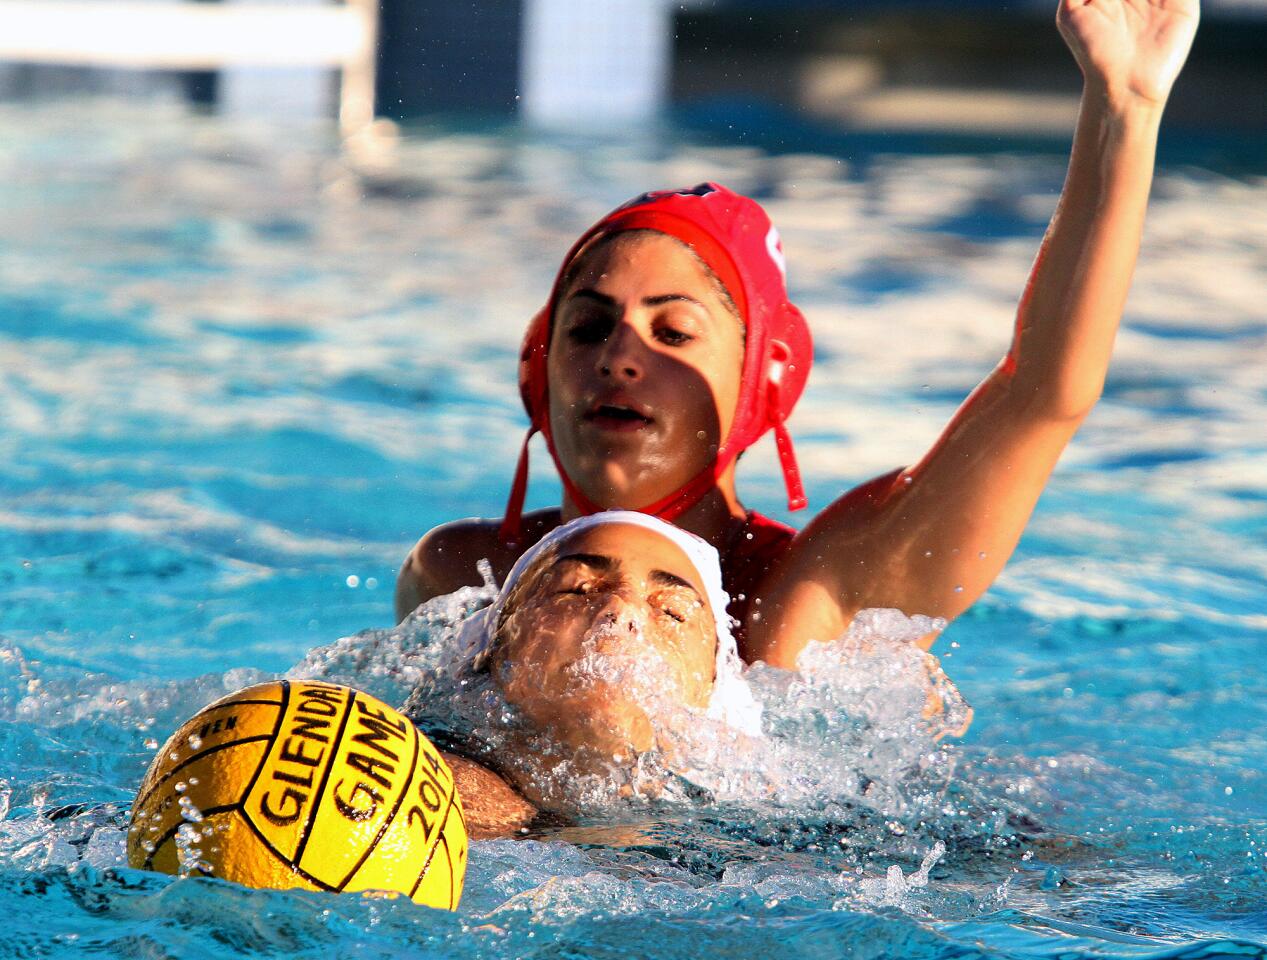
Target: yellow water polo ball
303, 784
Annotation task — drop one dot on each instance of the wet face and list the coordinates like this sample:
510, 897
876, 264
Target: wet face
607, 629
645, 364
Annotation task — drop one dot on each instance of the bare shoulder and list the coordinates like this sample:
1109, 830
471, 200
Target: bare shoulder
447, 557
838, 545
831, 571
492, 807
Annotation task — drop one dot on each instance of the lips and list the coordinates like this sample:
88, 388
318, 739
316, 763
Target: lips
618, 415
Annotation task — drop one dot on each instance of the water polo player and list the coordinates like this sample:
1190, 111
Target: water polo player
609, 638
668, 345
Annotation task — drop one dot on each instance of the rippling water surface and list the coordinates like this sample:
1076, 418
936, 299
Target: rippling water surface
240, 373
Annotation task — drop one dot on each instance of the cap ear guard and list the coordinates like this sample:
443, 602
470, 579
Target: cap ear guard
779, 356
532, 367
796, 355
533, 388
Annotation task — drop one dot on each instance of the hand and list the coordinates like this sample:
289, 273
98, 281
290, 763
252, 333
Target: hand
1131, 49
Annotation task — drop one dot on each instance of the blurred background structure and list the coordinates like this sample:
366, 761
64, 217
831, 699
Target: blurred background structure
270, 58
963, 65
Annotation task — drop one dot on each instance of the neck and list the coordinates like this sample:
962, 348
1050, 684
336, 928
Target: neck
712, 517
549, 773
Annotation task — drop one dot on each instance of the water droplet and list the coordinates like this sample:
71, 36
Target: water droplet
151, 743
353, 581
181, 788
147, 846
958, 589
195, 742
1227, 791
371, 583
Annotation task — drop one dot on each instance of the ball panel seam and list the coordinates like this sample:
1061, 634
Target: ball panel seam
422, 874
149, 794
175, 828
320, 792
400, 799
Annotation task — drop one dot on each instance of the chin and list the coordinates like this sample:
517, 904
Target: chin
612, 488
610, 732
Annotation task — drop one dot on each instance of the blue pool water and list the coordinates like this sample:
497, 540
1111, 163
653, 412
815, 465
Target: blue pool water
240, 373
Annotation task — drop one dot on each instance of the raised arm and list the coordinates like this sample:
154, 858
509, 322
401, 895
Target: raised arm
930, 539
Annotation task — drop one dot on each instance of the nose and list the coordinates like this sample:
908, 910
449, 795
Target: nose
619, 613
621, 357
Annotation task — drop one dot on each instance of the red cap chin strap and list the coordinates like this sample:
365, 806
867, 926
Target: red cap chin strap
780, 357
667, 508
787, 456
512, 529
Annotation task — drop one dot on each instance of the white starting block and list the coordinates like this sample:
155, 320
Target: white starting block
594, 61
254, 42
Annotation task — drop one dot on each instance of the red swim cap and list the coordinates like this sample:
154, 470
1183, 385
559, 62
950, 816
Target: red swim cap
733, 235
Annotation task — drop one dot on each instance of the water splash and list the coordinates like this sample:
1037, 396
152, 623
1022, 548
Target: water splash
860, 723
896, 889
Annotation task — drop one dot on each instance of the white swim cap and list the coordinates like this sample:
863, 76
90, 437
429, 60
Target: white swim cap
731, 701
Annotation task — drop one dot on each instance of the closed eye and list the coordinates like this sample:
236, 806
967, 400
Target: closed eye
679, 603
673, 338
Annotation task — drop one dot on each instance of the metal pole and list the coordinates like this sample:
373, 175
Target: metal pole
356, 85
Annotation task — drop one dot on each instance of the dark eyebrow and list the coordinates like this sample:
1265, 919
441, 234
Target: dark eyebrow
669, 298
595, 560
600, 562
656, 301
587, 294
673, 580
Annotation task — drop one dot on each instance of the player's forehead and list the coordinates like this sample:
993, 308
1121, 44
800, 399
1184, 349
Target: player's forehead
647, 256
631, 551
